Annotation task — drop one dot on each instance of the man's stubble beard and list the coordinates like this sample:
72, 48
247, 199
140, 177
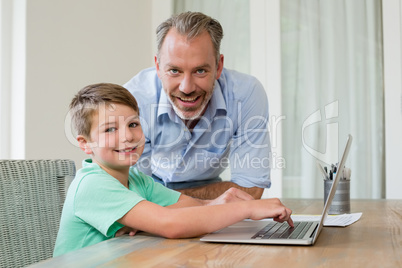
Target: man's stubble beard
199, 113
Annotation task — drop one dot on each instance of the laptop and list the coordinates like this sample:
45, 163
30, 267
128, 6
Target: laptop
271, 232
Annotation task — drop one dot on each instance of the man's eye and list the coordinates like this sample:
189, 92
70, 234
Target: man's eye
200, 71
111, 129
174, 71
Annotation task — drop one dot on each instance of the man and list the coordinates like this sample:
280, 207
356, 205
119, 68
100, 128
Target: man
198, 117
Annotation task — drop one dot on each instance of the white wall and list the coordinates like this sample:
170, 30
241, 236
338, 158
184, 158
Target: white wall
12, 78
70, 44
392, 27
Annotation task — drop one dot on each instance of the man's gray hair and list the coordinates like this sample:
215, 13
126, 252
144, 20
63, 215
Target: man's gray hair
191, 24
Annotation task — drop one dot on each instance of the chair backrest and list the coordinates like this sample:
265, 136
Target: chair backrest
32, 194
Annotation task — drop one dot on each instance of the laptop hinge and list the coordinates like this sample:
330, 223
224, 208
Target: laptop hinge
315, 230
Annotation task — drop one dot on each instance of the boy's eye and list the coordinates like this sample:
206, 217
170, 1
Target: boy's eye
133, 125
111, 129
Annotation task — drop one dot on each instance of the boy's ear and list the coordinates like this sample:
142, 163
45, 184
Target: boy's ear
84, 144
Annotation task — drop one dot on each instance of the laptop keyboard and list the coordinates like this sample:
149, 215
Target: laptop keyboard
283, 230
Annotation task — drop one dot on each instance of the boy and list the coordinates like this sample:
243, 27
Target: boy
109, 197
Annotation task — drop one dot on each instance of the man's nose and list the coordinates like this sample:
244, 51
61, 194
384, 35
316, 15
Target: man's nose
187, 84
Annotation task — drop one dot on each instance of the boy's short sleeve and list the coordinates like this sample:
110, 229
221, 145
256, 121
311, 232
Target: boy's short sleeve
95, 201
101, 200
151, 190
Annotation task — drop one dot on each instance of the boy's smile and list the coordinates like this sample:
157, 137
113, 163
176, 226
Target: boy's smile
127, 150
116, 139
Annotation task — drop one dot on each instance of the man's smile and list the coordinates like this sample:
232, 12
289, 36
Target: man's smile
184, 99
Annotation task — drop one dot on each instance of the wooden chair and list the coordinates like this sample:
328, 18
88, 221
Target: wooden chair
32, 194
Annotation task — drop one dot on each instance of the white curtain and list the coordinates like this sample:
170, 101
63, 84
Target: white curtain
233, 15
332, 66
5, 79
332, 85
234, 18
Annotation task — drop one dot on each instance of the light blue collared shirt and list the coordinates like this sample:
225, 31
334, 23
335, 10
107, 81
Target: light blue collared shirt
232, 132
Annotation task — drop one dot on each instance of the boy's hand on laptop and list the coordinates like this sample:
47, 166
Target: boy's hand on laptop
231, 195
271, 208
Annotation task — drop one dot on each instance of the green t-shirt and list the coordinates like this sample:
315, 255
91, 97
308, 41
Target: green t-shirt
96, 200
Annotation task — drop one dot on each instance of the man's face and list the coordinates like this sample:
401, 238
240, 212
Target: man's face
188, 72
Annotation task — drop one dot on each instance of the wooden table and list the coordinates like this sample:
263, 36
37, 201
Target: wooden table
366, 243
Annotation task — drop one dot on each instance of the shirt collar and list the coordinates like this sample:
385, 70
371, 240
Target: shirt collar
217, 102
164, 106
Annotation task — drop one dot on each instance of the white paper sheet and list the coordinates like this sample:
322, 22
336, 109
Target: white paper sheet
332, 220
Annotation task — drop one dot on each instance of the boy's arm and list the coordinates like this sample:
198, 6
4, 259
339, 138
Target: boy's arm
198, 220
187, 201
231, 195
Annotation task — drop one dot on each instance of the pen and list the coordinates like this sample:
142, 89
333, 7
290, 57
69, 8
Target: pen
323, 170
347, 173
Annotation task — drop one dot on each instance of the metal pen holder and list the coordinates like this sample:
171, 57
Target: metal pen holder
341, 202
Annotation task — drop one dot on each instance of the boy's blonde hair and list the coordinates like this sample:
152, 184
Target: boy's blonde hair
86, 103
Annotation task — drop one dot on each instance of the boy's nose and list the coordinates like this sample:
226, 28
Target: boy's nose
127, 136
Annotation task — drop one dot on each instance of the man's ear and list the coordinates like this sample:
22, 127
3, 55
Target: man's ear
157, 65
84, 144
220, 67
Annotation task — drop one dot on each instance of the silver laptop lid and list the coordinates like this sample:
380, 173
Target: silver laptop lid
334, 186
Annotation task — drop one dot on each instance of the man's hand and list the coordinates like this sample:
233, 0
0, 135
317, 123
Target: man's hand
231, 195
125, 230
214, 190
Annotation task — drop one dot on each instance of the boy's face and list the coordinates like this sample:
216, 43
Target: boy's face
116, 140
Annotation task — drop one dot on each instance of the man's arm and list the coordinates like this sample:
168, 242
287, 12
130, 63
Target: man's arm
213, 190
250, 151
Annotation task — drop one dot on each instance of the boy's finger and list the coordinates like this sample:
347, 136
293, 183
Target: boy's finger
290, 222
